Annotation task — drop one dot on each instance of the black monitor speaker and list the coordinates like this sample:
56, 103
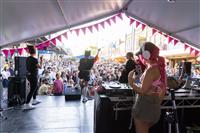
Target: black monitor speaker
20, 66
188, 68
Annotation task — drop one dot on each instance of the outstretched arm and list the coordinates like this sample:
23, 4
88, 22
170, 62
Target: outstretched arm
97, 56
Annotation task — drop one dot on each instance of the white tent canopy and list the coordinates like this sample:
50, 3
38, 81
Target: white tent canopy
22, 20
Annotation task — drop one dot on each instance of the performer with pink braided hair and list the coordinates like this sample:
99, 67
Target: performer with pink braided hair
149, 95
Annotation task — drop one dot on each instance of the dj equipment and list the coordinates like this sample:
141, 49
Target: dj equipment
17, 90
20, 66
72, 93
112, 109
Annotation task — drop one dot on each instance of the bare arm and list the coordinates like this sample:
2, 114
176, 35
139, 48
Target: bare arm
146, 83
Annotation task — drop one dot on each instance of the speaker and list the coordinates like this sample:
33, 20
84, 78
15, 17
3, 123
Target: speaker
20, 66
17, 90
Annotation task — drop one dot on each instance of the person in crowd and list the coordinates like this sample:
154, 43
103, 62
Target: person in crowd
32, 66
5, 75
130, 65
45, 88
11, 69
85, 65
58, 86
146, 110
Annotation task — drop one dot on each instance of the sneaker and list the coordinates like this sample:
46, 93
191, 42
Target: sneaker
84, 100
35, 102
28, 107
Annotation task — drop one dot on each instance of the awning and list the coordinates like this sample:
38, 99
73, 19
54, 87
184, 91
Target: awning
23, 20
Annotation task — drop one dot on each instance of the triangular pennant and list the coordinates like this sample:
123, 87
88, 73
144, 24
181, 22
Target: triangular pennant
108, 21
153, 31
5, 52
196, 52
185, 46
165, 35
39, 46
143, 26
83, 30
131, 21
160, 32
59, 38
53, 41
175, 42
120, 16
97, 27
137, 23
26, 49
65, 35
102, 24
77, 31
12, 51
47, 44
20, 51
191, 50
114, 19
169, 39
90, 28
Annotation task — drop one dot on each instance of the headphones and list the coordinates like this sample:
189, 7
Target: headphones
145, 53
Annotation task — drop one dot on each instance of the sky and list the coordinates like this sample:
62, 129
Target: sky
100, 39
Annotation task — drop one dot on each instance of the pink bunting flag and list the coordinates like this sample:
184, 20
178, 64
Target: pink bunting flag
47, 44
20, 51
12, 51
169, 39
59, 38
96, 27
191, 50
26, 49
77, 31
65, 35
102, 24
137, 23
160, 32
5, 52
185, 46
153, 31
196, 52
175, 42
114, 19
120, 16
53, 41
143, 26
131, 21
39, 46
90, 28
83, 30
108, 21
165, 35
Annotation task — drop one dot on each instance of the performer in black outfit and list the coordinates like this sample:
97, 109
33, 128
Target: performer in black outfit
130, 65
85, 65
32, 66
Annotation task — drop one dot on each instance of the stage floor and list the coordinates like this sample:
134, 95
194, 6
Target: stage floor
53, 115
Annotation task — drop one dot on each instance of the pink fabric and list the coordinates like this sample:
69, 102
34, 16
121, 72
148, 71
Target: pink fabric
58, 86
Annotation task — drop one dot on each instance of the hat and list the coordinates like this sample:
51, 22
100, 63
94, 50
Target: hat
149, 46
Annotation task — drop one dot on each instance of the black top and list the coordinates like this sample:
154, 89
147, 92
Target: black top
130, 65
86, 64
31, 66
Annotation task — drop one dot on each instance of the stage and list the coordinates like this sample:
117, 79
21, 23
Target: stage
53, 115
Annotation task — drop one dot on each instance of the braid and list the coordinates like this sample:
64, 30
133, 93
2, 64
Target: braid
161, 63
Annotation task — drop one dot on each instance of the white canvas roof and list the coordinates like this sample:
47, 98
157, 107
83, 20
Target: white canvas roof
22, 20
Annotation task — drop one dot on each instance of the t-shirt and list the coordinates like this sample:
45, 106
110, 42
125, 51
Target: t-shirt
31, 66
58, 86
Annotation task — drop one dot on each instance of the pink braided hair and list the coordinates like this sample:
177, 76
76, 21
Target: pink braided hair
161, 63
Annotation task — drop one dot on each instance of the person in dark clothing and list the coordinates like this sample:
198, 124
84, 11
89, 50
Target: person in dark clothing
85, 65
130, 65
32, 66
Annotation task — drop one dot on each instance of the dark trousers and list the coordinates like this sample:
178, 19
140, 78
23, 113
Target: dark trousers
33, 88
